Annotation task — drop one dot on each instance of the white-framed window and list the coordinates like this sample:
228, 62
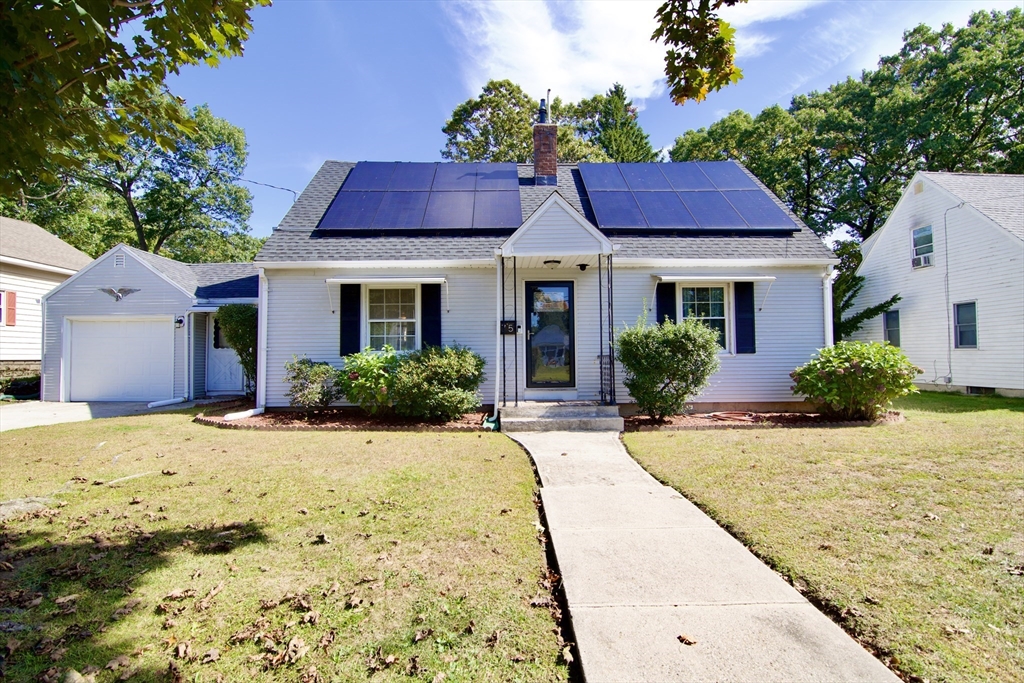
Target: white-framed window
710, 303
965, 321
392, 317
891, 320
922, 247
3, 307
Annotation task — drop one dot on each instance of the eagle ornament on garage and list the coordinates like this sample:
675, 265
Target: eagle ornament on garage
118, 293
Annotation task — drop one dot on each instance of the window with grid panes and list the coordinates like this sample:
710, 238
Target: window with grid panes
708, 304
392, 318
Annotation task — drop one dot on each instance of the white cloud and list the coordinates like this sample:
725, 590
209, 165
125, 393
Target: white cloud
579, 48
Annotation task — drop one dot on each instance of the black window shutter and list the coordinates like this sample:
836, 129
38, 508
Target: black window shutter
348, 307
745, 335
665, 302
430, 311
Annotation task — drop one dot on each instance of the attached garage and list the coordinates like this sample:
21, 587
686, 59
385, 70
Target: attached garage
129, 359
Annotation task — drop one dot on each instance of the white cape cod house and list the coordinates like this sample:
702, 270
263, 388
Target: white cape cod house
535, 266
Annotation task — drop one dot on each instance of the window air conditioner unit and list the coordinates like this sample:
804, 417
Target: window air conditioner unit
921, 261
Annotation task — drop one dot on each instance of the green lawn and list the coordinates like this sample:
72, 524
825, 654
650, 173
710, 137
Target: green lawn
911, 535
273, 555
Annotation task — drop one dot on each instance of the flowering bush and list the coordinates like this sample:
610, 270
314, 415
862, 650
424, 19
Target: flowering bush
667, 364
312, 385
369, 377
856, 380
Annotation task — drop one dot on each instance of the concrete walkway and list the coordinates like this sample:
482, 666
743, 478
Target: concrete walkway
24, 414
643, 566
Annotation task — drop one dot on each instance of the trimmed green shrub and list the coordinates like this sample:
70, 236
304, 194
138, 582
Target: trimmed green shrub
438, 384
667, 364
239, 326
312, 385
855, 380
368, 379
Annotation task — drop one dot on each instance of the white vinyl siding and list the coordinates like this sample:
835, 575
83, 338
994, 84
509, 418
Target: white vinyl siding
82, 297
790, 329
556, 232
23, 340
986, 265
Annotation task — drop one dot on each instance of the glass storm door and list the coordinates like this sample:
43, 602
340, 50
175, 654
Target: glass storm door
550, 349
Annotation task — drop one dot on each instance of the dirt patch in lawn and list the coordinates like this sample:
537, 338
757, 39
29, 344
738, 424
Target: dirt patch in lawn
343, 419
740, 420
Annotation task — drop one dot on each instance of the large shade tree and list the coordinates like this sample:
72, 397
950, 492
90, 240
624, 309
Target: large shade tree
61, 60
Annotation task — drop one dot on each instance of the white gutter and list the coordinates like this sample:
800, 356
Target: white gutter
715, 278
623, 262
826, 286
261, 351
379, 265
12, 261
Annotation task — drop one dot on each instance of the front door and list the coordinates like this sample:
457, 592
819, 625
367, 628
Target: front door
550, 343
223, 371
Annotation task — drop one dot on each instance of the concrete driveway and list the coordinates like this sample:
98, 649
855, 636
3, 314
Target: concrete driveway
38, 413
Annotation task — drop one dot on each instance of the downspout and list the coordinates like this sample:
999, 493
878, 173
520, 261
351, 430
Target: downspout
498, 270
261, 354
948, 379
190, 370
42, 355
826, 288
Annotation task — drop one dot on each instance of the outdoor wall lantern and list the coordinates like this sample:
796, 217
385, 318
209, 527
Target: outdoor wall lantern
179, 322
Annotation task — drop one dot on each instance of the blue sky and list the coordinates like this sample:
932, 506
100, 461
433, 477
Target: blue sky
356, 81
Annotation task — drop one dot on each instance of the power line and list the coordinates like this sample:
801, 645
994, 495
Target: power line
295, 195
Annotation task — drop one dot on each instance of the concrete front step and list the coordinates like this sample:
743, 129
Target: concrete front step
537, 409
567, 424
560, 417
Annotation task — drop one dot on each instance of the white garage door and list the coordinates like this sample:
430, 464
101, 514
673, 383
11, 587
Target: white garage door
122, 360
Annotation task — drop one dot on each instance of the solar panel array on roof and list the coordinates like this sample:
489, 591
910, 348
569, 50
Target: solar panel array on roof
398, 195
703, 195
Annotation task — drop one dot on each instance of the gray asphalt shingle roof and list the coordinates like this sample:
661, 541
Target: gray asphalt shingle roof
296, 239
999, 197
206, 280
29, 242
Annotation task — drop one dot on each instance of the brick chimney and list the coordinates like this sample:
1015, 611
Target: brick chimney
545, 149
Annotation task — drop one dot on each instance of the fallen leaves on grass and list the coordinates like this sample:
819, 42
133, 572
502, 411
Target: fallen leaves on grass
205, 603
211, 656
685, 639
169, 473
422, 634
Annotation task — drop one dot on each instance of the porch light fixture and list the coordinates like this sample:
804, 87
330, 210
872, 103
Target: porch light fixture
179, 322
552, 263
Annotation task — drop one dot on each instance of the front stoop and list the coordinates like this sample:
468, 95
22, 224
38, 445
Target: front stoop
560, 416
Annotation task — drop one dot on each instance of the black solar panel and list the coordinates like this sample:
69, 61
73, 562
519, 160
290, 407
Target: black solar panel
712, 195
727, 175
758, 209
617, 210
455, 177
449, 210
644, 177
370, 175
410, 176
712, 210
413, 196
686, 176
598, 177
351, 209
664, 210
499, 209
401, 210
497, 177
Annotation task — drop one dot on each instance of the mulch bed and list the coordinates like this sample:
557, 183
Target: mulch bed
341, 419
729, 420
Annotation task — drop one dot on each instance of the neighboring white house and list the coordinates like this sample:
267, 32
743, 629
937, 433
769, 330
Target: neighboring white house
134, 326
535, 265
953, 248
32, 262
